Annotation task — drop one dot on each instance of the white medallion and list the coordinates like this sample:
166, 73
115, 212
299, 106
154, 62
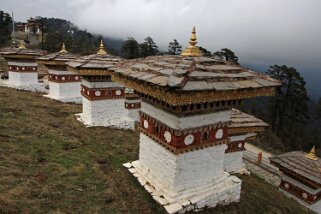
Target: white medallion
304, 195
118, 92
219, 134
23, 68
240, 145
286, 185
97, 93
168, 136
63, 78
189, 139
76, 78
145, 124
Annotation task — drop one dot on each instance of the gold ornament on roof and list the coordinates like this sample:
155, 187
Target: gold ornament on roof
101, 50
63, 49
22, 45
311, 155
192, 50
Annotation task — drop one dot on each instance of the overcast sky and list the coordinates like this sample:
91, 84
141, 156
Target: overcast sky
259, 31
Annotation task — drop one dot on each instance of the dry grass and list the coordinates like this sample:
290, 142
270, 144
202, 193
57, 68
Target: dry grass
50, 163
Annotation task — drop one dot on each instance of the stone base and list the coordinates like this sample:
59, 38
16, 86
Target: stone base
40, 87
316, 207
224, 191
76, 100
118, 123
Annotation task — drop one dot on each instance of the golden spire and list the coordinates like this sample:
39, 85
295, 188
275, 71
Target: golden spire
311, 155
22, 45
192, 50
101, 50
63, 49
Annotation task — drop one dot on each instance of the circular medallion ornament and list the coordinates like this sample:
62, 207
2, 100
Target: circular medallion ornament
189, 139
83, 89
63, 78
23, 68
168, 136
240, 145
286, 185
34, 69
132, 105
118, 92
97, 93
304, 195
76, 78
56, 77
219, 134
10, 67
146, 124
88, 93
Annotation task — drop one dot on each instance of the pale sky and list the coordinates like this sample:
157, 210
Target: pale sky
261, 32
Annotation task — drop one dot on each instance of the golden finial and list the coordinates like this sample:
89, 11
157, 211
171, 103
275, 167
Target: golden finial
63, 49
311, 155
192, 50
101, 50
22, 45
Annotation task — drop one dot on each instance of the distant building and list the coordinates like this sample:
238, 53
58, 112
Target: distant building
31, 26
301, 177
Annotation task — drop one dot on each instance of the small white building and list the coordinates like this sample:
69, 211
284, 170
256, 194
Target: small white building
243, 128
23, 68
64, 85
186, 111
103, 100
301, 177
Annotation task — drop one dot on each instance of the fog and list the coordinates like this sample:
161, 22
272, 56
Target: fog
261, 32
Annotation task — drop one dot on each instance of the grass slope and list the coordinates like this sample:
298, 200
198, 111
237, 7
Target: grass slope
51, 163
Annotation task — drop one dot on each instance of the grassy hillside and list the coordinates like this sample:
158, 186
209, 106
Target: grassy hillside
50, 163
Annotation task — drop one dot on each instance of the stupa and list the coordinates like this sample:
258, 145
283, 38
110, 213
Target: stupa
185, 115
64, 85
103, 99
23, 68
242, 129
301, 177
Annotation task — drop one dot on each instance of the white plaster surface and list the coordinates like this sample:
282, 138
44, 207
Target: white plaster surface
18, 79
184, 182
316, 207
108, 112
185, 122
39, 87
233, 162
65, 92
133, 114
58, 72
100, 84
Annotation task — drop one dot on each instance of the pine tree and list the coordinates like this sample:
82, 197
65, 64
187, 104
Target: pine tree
148, 47
5, 28
205, 52
130, 48
227, 55
289, 108
174, 48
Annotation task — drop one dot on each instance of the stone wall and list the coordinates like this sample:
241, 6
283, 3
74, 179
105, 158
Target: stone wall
233, 161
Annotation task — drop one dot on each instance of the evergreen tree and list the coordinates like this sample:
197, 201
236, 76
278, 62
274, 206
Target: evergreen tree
174, 48
227, 55
205, 52
289, 108
130, 48
5, 28
318, 109
148, 47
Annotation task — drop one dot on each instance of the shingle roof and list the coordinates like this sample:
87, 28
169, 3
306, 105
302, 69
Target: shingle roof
299, 164
193, 74
240, 119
